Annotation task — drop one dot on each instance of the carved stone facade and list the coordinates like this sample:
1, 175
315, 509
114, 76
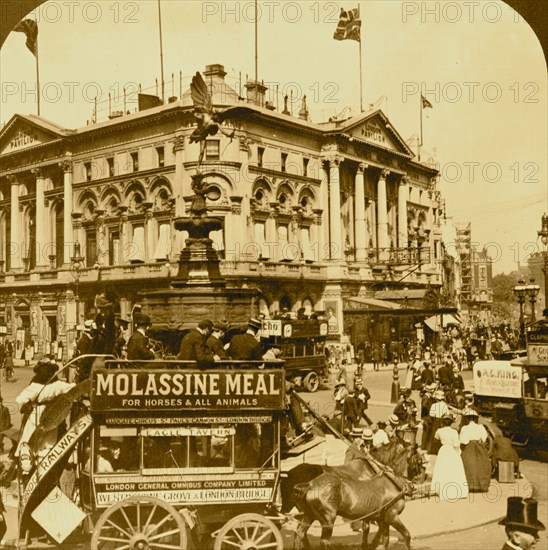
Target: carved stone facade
310, 212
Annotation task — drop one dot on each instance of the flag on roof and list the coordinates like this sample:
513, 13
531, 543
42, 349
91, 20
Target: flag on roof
425, 103
30, 28
349, 26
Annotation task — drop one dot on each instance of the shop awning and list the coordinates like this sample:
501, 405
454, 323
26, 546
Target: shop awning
437, 322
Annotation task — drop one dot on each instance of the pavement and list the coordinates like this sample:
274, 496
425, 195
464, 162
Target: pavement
425, 516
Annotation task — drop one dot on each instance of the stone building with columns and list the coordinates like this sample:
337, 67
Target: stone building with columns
316, 215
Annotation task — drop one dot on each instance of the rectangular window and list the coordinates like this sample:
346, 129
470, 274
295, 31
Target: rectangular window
134, 161
212, 149
284, 162
87, 171
161, 157
91, 248
163, 247
110, 163
218, 242
260, 156
136, 252
305, 166
306, 248
260, 240
114, 248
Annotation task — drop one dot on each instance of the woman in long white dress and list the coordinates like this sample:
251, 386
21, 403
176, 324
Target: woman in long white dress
449, 478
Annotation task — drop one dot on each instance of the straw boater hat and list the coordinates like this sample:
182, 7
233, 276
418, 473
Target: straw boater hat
340, 382
367, 434
469, 411
431, 387
393, 419
356, 432
439, 395
521, 515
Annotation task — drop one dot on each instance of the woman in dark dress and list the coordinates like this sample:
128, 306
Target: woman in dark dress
477, 464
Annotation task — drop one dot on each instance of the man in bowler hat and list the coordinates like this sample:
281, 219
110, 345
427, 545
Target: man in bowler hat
247, 345
138, 346
194, 344
521, 523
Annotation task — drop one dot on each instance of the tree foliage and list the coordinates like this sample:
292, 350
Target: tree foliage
503, 287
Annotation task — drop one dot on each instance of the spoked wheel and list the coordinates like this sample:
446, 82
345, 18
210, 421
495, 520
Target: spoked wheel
144, 523
249, 532
311, 382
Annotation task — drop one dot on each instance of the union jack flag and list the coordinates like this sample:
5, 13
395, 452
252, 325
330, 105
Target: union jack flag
349, 26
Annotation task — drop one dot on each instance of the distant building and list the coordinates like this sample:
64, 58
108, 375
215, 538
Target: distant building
477, 276
315, 215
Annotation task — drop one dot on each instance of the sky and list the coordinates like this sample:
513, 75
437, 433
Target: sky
477, 62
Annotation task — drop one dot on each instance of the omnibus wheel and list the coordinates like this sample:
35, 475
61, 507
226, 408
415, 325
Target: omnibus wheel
311, 382
140, 523
249, 532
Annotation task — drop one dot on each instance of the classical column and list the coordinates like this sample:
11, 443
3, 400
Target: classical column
335, 230
323, 232
383, 240
15, 228
67, 210
178, 150
76, 218
41, 260
124, 241
360, 234
150, 232
403, 197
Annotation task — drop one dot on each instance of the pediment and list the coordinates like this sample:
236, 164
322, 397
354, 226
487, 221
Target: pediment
23, 133
377, 130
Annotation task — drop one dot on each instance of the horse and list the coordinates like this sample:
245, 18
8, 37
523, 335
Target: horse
380, 499
303, 473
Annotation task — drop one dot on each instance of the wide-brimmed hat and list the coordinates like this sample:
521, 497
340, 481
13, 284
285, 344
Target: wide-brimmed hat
102, 303
367, 434
44, 370
469, 411
356, 432
254, 324
89, 325
340, 382
439, 394
521, 513
123, 321
221, 325
393, 419
142, 320
405, 391
431, 387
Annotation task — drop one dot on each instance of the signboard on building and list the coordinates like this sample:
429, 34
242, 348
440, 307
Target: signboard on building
164, 390
537, 354
497, 379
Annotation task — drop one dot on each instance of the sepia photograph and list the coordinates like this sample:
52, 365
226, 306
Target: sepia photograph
273, 274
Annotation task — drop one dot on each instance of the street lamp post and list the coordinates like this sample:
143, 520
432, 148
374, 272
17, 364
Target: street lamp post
532, 291
77, 265
520, 293
543, 234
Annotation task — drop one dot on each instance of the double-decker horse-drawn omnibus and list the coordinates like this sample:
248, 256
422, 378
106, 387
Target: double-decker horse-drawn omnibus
302, 345
162, 452
514, 394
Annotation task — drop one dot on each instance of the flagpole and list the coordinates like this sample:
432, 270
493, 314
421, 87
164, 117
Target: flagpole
420, 140
256, 44
37, 78
161, 50
361, 66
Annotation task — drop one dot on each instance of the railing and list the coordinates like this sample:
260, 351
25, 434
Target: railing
399, 256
